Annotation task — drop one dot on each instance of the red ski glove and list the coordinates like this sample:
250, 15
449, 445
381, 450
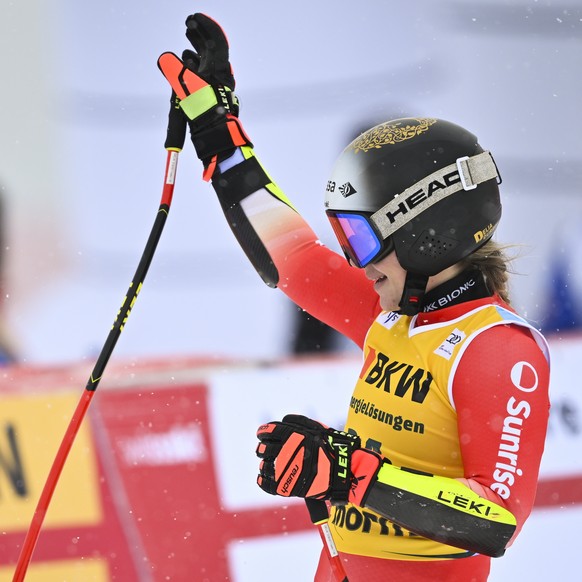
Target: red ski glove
304, 458
204, 84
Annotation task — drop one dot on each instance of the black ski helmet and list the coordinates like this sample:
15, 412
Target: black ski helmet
422, 187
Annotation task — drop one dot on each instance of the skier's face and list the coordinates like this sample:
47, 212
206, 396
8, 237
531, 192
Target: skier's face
388, 277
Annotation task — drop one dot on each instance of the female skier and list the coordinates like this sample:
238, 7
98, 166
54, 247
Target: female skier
436, 468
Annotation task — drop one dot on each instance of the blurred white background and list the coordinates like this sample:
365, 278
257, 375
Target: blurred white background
83, 117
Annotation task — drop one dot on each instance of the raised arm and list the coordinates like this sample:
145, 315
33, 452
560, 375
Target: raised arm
278, 242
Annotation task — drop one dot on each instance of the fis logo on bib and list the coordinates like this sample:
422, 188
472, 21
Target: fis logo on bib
388, 320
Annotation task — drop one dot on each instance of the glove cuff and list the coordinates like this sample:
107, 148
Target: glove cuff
365, 466
341, 447
234, 185
220, 138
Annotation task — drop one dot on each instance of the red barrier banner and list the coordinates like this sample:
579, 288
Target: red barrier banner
81, 537
138, 499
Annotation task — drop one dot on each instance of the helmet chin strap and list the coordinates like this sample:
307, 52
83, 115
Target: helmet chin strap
413, 293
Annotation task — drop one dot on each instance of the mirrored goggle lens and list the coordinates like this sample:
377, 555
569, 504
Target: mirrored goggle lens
356, 237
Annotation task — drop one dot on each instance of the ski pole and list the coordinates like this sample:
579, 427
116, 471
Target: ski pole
174, 142
320, 517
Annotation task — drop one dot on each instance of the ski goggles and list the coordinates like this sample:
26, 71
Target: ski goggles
360, 241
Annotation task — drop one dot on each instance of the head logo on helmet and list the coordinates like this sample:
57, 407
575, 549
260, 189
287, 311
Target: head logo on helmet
422, 187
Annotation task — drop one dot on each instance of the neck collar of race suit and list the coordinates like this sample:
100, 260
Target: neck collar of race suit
466, 286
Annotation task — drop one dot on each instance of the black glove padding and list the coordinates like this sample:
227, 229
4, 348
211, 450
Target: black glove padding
303, 458
211, 58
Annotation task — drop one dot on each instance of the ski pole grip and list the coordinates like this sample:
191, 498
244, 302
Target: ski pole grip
177, 122
318, 512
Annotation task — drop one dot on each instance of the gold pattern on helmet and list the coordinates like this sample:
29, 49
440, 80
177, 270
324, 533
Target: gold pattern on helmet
390, 133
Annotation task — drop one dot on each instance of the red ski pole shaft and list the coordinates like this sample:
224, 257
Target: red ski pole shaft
320, 517
174, 143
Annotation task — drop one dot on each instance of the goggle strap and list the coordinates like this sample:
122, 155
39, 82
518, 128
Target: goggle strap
465, 174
